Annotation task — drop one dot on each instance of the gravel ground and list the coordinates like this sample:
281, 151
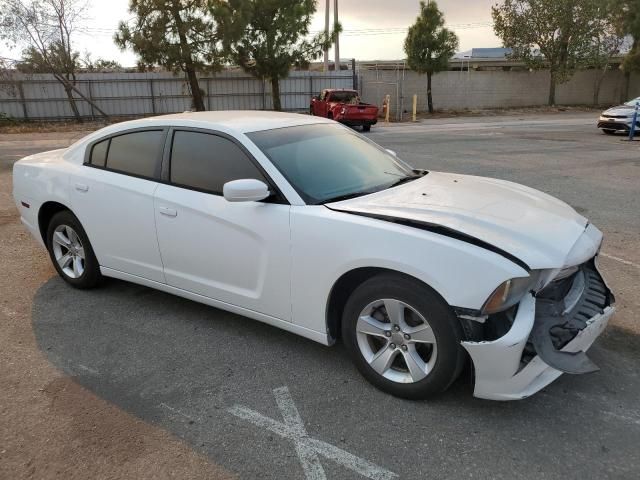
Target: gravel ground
126, 382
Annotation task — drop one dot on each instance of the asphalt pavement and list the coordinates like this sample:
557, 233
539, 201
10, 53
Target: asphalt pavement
263, 403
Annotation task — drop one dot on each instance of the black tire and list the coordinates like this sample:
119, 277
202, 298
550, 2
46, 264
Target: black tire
446, 328
90, 276
609, 131
366, 128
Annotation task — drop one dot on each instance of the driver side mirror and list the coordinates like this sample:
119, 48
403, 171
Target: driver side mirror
245, 190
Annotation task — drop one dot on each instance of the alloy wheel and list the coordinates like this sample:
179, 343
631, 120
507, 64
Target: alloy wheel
68, 251
396, 341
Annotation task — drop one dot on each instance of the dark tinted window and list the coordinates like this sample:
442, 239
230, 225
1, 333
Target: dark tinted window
207, 162
345, 97
99, 153
136, 153
324, 161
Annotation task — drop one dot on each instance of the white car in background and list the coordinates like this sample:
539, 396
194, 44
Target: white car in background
620, 118
303, 224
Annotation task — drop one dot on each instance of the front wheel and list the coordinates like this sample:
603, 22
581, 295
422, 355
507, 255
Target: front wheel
403, 337
71, 251
366, 128
609, 131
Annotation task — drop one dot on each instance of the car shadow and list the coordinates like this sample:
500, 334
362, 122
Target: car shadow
182, 365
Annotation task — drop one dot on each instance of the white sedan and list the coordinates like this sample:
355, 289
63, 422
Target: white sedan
299, 222
620, 118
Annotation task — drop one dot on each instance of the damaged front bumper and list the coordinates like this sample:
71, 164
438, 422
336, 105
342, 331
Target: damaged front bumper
548, 337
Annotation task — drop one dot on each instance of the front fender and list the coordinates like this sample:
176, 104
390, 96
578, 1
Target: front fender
327, 244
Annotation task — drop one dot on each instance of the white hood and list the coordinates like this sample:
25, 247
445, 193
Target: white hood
534, 227
619, 110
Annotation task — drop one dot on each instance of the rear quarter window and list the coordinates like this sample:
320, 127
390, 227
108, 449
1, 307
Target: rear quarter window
136, 153
99, 154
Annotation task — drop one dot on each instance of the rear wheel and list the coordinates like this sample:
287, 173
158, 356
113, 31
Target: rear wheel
71, 251
609, 131
366, 128
402, 337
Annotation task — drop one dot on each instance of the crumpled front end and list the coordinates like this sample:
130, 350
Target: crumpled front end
542, 337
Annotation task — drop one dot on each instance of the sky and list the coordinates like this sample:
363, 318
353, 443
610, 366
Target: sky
372, 29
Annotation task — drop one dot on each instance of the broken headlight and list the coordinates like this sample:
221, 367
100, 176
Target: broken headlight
510, 293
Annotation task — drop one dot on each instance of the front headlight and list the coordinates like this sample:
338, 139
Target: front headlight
510, 293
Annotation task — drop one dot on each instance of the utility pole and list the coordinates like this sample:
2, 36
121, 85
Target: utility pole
326, 31
335, 27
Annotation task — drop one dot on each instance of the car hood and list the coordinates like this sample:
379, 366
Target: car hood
619, 110
532, 226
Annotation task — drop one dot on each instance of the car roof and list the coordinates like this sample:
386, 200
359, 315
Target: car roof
241, 121
228, 121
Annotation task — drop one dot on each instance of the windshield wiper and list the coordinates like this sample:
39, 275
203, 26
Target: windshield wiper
346, 196
405, 180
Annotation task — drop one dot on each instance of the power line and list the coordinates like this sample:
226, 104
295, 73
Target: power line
351, 32
393, 30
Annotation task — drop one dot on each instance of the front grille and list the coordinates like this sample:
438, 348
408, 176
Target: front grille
612, 126
565, 307
591, 301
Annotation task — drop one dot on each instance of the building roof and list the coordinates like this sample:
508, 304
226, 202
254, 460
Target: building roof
496, 52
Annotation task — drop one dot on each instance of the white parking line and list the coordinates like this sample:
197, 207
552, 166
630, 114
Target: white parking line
88, 369
308, 448
308, 457
633, 418
176, 411
621, 260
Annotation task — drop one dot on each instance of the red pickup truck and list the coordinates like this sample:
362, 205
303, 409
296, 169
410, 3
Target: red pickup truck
344, 106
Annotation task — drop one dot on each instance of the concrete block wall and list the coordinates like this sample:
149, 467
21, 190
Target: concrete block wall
490, 89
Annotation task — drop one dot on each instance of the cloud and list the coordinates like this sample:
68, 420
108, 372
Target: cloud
358, 15
402, 12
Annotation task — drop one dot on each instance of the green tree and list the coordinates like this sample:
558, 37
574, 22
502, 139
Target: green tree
7, 78
631, 26
45, 29
34, 61
99, 65
273, 39
553, 34
180, 35
429, 45
607, 39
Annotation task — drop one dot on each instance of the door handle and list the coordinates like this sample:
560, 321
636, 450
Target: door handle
81, 187
169, 212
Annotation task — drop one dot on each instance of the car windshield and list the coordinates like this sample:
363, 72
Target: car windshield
632, 103
344, 97
327, 163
